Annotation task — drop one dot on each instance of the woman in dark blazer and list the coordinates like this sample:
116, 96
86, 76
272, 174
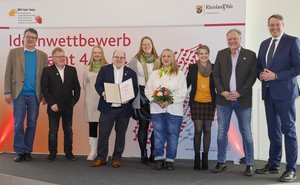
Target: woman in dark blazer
202, 103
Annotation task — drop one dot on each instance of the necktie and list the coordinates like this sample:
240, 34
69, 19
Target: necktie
271, 53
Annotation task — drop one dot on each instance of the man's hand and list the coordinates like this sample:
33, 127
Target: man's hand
104, 95
234, 95
8, 98
267, 75
43, 101
230, 96
54, 108
226, 95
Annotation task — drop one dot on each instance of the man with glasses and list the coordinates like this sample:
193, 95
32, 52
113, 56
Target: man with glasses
61, 89
22, 87
113, 113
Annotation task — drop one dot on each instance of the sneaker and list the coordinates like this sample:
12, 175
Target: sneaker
19, 158
159, 164
27, 157
169, 165
220, 167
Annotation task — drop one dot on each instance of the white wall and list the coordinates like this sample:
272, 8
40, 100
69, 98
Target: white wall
257, 13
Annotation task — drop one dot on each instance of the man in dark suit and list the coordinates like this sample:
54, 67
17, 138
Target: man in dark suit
278, 68
234, 74
61, 89
22, 87
113, 113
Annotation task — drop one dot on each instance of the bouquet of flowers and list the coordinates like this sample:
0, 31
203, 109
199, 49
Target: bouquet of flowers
162, 94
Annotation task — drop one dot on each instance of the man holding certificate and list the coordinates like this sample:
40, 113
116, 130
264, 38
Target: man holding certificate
115, 106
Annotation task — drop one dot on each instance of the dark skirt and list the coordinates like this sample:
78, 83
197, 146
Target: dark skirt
143, 113
202, 111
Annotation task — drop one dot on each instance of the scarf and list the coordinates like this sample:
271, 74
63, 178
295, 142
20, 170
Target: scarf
164, 70
95, 67
204, 71
147, 59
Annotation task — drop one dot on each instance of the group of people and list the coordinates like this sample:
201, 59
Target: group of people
222, 87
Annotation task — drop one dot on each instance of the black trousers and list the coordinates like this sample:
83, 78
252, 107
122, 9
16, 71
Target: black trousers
54, 117
106, 123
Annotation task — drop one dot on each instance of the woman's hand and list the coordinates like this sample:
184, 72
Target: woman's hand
163, 105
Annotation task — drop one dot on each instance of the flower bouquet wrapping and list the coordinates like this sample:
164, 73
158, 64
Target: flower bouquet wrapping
162, 95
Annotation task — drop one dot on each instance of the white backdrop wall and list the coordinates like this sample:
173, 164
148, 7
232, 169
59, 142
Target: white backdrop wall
175, 25
128, 15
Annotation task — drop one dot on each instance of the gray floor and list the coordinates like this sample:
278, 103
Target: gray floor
131, 172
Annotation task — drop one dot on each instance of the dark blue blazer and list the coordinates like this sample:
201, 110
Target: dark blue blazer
285, 63
106, 74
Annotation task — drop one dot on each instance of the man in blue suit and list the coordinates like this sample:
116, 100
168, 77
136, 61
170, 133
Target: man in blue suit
113, 113
278, 67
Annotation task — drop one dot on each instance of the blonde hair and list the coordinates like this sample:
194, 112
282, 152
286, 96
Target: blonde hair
102, 60
174, 66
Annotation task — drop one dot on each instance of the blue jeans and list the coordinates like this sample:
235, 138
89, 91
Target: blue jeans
25, 106
244, 121
166, 129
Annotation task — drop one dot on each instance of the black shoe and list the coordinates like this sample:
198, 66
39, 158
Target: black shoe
249, 170
204, 161
267, 170
220, 167
169, 165
144, 160
144, 157
70, 157
159, 164
19, 158
288, 176
51, 157
27, 157
151, 159
197, 161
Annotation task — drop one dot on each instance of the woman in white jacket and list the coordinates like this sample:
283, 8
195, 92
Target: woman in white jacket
166, 116
91, 99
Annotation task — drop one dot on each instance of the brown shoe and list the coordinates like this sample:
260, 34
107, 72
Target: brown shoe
97, 163
116, 163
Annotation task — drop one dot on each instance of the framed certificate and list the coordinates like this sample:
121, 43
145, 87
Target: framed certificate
119, 93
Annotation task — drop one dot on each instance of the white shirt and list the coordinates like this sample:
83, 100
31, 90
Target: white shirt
276, 44
61, 73
176, 83
234, 59
118, 76
140, 73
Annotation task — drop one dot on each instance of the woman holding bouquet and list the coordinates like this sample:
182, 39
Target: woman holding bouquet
144, 62
166, 89
202, 103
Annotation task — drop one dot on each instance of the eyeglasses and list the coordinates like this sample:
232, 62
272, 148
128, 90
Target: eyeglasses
30, 37
58, 56
118, 58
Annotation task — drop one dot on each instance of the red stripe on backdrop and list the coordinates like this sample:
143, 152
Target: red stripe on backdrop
4, 27
225, 24
7, 129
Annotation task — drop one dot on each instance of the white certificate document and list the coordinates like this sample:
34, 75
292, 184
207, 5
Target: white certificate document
119, 93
